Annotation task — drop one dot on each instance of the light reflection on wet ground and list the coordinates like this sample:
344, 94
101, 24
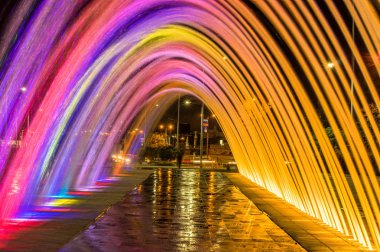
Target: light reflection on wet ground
184, 210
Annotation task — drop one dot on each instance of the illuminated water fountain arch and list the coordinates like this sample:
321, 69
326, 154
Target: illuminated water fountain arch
96, 70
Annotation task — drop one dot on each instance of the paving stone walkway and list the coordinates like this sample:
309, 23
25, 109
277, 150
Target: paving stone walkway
310, 232
48, 229
184, 210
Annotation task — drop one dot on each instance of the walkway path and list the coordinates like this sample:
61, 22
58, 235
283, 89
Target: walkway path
48, 229
310, 232
184, 210
173, 210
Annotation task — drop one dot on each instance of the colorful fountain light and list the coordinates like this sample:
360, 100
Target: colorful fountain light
76, 75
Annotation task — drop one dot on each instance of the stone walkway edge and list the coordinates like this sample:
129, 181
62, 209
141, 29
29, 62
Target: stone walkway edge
309, 232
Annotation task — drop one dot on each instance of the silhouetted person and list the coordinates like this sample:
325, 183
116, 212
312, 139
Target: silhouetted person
179, 157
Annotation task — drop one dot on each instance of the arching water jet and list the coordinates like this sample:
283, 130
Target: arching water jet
262, 70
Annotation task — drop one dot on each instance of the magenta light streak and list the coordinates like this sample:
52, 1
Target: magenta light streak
74, 69
74, 84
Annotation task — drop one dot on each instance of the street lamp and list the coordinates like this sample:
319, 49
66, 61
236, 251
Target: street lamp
330, 65
23, 89
201, 140
166, 127
177, 140
170, 127
207, 135
188, 102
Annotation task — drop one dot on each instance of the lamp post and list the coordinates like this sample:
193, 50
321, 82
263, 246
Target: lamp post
177, 142
170, 127
23, 89
353, 66
201, 137
188, 102
166, 135
162, 127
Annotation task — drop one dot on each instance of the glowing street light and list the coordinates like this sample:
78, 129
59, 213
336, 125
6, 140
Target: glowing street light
170, 128
23, 89
201, 142
188, 102
177, 137
330, 65
166, 127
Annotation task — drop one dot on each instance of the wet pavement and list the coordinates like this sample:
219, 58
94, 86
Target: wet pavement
184, 210
310, 232
49, 228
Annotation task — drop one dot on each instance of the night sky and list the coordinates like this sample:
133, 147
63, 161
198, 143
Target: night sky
189, 113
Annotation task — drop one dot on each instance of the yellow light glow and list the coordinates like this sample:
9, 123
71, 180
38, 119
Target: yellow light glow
330, 65
61, 202
270, 121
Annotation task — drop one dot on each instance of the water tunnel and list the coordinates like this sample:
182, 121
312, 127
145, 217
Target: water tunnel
276, 74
